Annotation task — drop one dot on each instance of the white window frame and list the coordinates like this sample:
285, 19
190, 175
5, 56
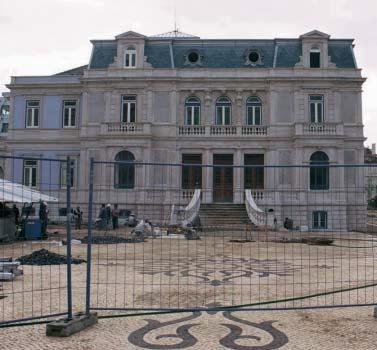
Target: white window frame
220, 104
32, 109
253, 103
70, 108
63, 174
129, 100
31, 167
130, 58
319, 213
318, 105
190, 108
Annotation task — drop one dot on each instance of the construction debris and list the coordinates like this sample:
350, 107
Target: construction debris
44, 257
305, 240
9, 269
113, 239
191, 234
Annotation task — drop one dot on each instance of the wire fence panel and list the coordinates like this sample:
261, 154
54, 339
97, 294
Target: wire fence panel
35, 279
220, 235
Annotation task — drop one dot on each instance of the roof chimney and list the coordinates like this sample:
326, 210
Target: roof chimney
373, 148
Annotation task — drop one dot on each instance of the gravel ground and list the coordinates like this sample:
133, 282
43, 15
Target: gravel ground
174, 272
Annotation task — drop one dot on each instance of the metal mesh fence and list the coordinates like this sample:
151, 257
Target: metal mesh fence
34, 277
219, 236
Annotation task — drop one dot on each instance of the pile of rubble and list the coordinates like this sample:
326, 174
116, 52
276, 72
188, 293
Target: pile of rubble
45, 257
113, 239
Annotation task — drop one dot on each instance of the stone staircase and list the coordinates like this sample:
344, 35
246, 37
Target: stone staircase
223, 214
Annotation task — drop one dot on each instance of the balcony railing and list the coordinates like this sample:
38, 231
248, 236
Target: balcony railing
254, 130
192, 130
126, 128
222, 130
320, 129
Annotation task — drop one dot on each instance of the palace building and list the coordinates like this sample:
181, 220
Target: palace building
177, 98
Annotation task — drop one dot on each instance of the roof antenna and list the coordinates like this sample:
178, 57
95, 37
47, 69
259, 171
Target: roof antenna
175, 19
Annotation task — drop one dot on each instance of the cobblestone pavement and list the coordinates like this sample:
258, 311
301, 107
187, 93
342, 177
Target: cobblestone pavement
170, 272
353, 328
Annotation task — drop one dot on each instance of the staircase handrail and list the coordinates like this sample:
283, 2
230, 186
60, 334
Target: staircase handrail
256, 215
192, 209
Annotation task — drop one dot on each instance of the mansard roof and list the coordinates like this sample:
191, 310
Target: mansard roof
169, 50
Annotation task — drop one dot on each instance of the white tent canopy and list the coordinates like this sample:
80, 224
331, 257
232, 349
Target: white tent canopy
17, 193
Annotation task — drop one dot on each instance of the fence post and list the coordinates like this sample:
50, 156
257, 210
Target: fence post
89, 241
69, 239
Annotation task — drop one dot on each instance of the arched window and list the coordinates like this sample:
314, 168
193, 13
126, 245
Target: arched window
124, 176
223, 111
253, 111
319, 171
192, 111
130, 58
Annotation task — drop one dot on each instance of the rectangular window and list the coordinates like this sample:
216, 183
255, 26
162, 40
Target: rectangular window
30, 173
254, 114
223, 115
191, 175
192, 115
128, 109
63, 174
32, 114
69, 114
316, 108
315, 59
320, 220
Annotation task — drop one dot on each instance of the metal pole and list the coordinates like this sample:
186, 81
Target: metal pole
69, 239
89, 241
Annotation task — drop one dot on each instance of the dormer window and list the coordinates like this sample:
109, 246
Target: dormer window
130, 58
315, 58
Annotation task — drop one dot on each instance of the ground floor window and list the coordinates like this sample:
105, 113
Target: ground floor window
191, 174
63, 174
30, 173
253, 176
124, 173
320, 220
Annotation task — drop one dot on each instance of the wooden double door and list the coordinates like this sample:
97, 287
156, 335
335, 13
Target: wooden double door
223, 178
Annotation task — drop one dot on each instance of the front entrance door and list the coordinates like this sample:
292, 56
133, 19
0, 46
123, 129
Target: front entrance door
223, 178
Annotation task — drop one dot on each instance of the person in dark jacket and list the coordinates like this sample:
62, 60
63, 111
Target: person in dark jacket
43, 216
78, 218
108, 214
115, 216
16, 213
102, 215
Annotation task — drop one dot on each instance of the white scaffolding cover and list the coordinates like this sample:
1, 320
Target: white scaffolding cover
17, 193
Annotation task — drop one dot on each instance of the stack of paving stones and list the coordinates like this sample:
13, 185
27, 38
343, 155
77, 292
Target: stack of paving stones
113, 239
44, 257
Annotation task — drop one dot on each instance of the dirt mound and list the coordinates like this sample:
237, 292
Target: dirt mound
44, 257
112, 239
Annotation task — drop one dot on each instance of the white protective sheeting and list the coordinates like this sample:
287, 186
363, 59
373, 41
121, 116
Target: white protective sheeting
17, 193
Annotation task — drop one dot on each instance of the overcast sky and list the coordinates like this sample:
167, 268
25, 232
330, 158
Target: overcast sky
47, 36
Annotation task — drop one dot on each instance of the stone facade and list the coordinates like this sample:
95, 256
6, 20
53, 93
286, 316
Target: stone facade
162, 77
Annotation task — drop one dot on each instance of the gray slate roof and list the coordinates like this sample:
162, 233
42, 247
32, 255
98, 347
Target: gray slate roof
75, 71
223, 53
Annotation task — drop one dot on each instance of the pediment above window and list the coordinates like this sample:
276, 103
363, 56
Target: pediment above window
130, 35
